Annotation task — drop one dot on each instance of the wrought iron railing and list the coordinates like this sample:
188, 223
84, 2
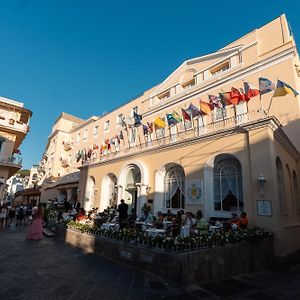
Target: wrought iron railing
126, 148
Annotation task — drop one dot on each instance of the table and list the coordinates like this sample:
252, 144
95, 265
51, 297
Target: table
108, 226
153, 232
143, 226
214, 228
167, 225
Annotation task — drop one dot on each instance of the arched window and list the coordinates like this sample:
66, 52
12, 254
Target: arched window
290, 192
296, 191
228, 184
280, 185
174, 187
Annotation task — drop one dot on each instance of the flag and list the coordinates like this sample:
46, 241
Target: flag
171, 120
194, 111
283, 89
265, 85
107, 143
150, 127
112, 141
137, 119
215, 102
250, 90
159, 123
117, 138
185, 115
225, 98
145, 129
176, 116
124, 125
205, 108
236, 96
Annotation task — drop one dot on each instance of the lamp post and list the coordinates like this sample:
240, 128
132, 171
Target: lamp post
261, 182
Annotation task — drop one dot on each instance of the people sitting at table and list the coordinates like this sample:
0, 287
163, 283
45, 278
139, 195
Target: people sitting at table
233, 222
147, 217
243, 221
81, 215
176, 224
159, 221
190, 222
132, 218
169, 216
201, 224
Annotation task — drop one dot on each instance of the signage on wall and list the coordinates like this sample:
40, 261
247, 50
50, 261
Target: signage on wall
194, 192
264, 208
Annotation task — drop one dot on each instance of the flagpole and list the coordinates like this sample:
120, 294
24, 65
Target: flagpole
234, 109
271, 100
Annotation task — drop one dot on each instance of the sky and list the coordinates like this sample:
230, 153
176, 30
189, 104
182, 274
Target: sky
86, 57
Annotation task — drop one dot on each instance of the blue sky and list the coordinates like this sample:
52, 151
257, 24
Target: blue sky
85, 57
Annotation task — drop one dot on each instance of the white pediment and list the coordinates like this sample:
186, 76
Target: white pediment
188, 69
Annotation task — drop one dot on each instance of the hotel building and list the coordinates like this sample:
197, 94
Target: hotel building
243, 157
14, 125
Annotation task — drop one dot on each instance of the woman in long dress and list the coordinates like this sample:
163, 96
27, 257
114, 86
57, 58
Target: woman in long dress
36, 229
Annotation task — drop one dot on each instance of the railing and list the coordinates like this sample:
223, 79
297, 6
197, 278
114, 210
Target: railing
126, 148
13, 160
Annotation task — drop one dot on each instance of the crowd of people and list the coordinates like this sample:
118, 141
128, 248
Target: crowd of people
182, 223
16, 215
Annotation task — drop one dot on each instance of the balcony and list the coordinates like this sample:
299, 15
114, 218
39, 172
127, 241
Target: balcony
12, 163
13, 125
12, 160
228, 125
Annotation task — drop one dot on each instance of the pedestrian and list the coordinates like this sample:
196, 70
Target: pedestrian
123, 214
36, 229
11, 214
20, 215
3, 214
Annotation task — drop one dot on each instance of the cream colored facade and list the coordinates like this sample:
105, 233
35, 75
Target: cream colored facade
215, 162
14, 125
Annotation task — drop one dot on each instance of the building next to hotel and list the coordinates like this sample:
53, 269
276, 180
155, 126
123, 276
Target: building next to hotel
14, 125
242, 157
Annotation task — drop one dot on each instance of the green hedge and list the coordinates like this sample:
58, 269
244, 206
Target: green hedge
177, 244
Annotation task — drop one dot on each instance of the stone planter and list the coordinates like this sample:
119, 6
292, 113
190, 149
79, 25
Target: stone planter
180, 268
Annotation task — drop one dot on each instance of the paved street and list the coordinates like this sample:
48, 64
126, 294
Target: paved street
50, 269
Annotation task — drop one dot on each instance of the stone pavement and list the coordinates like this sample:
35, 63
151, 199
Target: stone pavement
50, 269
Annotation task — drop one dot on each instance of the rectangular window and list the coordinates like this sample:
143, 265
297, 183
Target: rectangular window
119, 119
173, 133
85, 134
219, 114
95, 130
1, 143
106, 125
134, 110
164, 95
201, 125
241, 113
220, 68
189, 83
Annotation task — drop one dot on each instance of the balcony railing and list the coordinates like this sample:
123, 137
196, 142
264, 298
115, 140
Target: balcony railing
228, 123
12, 160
